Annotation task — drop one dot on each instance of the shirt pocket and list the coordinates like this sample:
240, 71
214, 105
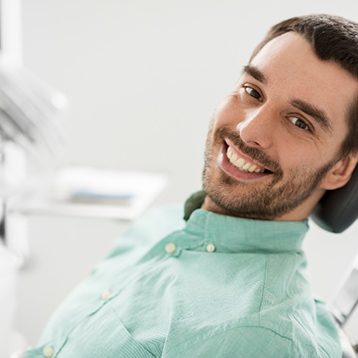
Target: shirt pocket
102, 335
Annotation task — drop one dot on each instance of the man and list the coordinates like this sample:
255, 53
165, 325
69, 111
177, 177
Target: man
231, 282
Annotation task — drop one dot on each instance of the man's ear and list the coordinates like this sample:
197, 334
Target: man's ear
340, 173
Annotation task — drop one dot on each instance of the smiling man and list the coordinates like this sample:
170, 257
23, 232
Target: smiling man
231, 282
278, 140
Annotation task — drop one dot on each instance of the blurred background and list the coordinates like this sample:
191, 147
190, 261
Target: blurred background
142, 79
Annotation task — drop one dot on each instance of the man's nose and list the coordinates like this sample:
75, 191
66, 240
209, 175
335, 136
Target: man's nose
257, 128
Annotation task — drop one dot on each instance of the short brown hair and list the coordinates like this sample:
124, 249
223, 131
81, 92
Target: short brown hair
332, 38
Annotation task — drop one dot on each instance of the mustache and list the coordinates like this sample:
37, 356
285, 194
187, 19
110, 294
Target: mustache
254, 153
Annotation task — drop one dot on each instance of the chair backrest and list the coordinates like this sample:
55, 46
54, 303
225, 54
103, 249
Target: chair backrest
344, 307
346, 301
347, 349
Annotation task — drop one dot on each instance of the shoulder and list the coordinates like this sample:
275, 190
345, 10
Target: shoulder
245, 341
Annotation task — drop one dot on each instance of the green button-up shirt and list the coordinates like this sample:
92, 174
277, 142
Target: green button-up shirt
217, 286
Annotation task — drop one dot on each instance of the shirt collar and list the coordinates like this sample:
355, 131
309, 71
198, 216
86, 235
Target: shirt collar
235, 234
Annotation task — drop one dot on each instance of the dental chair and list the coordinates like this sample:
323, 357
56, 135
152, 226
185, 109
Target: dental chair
337, 210
343, 307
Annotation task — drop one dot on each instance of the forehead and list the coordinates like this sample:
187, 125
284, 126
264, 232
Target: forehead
293, 70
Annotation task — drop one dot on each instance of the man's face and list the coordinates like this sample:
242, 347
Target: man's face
277, 136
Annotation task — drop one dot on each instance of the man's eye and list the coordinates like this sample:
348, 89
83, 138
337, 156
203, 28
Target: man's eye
252, 92
298, 122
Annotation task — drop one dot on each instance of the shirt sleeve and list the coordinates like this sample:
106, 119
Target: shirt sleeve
242, 342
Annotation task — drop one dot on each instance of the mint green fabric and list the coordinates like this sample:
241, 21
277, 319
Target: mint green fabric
228, 287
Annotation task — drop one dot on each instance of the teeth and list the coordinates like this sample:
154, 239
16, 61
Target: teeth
241, 163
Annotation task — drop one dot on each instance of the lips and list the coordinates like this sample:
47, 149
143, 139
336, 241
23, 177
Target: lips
239, 165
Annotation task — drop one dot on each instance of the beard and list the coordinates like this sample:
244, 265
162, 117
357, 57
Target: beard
256, 200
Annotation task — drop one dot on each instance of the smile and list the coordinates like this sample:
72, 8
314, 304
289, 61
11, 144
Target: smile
242, 164
239, 165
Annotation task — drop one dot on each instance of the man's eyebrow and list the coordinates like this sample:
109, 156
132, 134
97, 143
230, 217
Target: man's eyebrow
255, 73
319, 115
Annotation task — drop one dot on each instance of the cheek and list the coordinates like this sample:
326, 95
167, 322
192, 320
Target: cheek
297, 158
332, 146
290, 147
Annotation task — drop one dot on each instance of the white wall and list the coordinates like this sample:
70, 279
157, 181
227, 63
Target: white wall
143, 78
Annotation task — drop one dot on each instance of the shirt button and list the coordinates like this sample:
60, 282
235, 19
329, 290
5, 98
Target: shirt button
170, 248
48, 351
105, 295
210, 248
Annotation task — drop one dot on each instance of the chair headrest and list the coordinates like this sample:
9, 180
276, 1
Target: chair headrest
338, 209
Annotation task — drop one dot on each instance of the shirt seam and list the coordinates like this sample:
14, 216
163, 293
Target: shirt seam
294, 270
212, 334
319, 345
264, 285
